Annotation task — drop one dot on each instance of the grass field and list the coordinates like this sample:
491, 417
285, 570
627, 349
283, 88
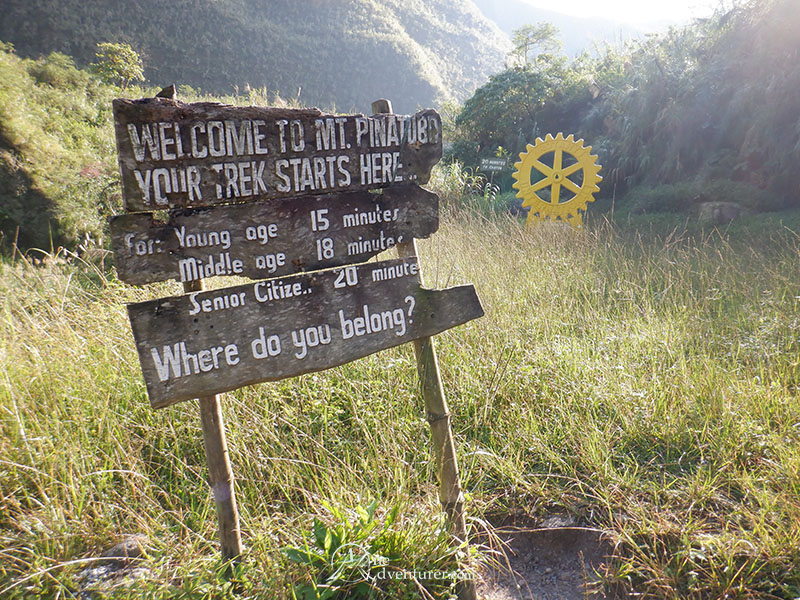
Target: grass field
642, 378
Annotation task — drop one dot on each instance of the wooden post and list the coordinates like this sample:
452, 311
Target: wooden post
220, 474
438, 416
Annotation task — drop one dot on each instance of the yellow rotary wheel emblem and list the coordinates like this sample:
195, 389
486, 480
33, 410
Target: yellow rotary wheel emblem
556, 178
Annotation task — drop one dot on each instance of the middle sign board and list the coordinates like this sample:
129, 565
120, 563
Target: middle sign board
493, 164
270, 238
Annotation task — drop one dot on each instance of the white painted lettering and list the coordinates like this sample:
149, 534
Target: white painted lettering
282, 123
262, 233
144, 142
197, 150
144, 183
311, 337
231, 181
362, 128
239, 140
297, 134
176, 361
368, 323
259, 137
193, 183
258, 177
158, 193
270, 262
166, 141
169, 362
344, 173
265, 346
326, 134
285, 184
216, 138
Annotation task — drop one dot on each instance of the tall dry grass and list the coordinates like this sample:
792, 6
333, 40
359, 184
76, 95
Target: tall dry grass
645, 384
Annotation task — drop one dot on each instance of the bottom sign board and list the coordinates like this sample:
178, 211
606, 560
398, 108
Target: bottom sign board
209, 342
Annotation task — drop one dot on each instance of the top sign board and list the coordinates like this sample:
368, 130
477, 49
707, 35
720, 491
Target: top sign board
177, 155
493, 164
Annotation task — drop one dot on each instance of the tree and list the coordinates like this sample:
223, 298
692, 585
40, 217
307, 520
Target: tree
529, 38
520, 103
118, 63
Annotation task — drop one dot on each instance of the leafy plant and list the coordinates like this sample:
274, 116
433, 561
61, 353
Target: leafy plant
58, 177
362, 556
453, 183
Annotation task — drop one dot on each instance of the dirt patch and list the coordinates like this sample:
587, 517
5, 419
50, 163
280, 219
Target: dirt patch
545, 563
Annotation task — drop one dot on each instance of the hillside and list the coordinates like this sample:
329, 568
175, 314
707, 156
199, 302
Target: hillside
57, 172
333, 54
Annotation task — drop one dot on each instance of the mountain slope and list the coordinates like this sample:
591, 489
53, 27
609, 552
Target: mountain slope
342, 54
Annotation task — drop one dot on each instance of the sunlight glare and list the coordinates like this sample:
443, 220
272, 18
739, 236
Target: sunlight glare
633, 11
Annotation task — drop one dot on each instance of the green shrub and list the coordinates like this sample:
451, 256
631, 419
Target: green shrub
118, 63
453, 183
362, 556
58, 70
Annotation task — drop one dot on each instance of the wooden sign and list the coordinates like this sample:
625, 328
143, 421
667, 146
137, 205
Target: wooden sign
175, 155
210, 342
270, 238
266, 193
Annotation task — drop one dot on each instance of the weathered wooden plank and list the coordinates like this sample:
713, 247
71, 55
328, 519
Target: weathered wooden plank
270, 238
175, 155
211, 342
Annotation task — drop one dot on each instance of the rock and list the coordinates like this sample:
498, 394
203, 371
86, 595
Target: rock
119, 566
131, 546
168, 92
556, 521
719, 213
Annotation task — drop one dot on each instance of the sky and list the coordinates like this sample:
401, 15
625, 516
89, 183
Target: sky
636, 12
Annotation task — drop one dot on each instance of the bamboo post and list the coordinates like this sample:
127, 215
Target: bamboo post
220, 474
438, 416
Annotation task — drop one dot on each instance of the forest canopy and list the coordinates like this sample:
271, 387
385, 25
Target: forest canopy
711, 108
